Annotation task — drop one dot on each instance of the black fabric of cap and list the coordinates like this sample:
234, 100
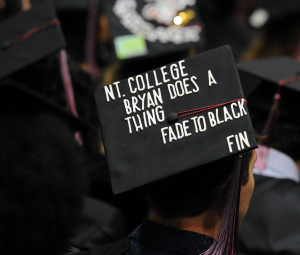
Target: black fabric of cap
142, 155
274, 70
127, 18
261, 79
28, 36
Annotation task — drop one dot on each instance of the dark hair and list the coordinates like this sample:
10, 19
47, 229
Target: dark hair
195, 191
41, 183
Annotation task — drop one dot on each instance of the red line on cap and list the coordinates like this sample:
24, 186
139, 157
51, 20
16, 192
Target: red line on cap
288, 80
202, 109
32, 32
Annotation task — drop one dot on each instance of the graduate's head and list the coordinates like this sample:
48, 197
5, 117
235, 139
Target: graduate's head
203, 188
185, 116
41, 163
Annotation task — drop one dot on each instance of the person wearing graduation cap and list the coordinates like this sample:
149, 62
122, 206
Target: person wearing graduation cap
272, 223
144, 35
34, 51
42, 167
41, 191
182, 135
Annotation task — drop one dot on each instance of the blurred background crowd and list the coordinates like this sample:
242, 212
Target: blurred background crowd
55, 192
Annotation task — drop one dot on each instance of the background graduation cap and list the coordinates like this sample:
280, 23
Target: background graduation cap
281, 79
152, 28
28, 36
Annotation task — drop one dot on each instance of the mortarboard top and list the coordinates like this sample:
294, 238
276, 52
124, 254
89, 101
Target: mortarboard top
148, 28
28, 36
282, 71
147, 133
266, 11
18, 97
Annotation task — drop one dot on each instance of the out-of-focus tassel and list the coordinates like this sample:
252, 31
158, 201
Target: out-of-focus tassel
67, 82
271, 121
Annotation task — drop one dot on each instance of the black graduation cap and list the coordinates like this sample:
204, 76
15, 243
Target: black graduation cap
281, 71
16, 97
174, 118
142, 28
281, 82
28, 36
266, 11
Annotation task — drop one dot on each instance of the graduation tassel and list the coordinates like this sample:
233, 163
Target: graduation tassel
270, 124
226, 238
67, 82
271, 121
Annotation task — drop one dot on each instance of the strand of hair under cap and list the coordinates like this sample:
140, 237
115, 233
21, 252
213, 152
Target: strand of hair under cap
227, 233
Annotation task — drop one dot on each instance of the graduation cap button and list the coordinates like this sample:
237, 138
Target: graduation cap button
172, 118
